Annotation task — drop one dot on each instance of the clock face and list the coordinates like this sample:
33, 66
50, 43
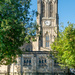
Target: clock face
47, 23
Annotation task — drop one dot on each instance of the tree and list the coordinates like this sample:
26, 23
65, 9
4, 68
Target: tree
15, 24
64, 47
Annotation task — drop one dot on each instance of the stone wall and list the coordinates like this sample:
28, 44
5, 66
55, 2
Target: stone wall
35, 63
34, 67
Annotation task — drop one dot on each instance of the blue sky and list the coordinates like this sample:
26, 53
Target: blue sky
66, 10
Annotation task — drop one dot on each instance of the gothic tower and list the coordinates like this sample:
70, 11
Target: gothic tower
48, 21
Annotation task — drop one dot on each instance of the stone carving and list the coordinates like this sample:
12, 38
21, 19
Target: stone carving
39, 1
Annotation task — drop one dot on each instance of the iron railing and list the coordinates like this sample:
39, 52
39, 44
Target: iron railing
36, 73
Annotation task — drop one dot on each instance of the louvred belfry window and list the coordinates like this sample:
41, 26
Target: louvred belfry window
51, 9
43, 9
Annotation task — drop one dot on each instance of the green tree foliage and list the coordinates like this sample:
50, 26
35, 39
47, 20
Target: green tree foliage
64, 47
15, 26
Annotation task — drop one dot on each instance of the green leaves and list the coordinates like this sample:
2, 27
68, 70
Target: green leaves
11, 30
65, 46
16, 28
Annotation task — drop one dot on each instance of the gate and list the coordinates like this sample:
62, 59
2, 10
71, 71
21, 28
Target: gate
36, 73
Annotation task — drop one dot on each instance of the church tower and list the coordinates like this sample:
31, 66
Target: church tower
35, 58
48, 20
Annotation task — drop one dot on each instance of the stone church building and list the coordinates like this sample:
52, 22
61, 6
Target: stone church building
37, 59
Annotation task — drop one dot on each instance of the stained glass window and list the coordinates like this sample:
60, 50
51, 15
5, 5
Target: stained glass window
47, 41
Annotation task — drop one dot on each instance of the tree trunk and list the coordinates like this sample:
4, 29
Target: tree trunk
8, 70
68, 71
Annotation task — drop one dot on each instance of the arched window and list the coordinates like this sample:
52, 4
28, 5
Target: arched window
30, 62
28, 48
27, 61
43, 9
51, 9
42, 62
47, 40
